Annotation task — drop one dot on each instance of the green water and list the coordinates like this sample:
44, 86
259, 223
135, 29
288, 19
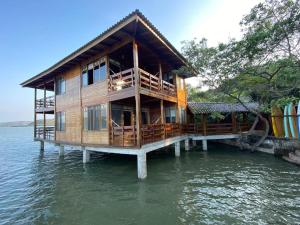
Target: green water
222, 186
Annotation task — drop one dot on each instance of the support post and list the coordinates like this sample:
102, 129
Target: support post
233, 122
34, 118
85, 155
160, 75
61, 150
42, 146
142, 165
137, 94
204, 123
44, 114
177, 149
204, 145
187, 144
162, 114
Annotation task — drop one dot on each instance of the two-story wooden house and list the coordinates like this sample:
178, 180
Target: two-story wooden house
118, 90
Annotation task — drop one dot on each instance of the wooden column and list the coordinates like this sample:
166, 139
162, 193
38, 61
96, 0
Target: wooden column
54, 110
160, 75
162, 113
44, 114
204, 123
137, 93
233, 122
34, 117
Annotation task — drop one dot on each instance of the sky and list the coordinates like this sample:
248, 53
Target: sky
36, 34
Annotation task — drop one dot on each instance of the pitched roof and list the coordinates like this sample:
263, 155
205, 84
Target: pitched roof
94, 45
209, 107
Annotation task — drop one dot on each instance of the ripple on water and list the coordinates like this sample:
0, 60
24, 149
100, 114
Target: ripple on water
222, 186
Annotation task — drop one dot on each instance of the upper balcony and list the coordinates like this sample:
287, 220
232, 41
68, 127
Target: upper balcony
149, 84
45, 104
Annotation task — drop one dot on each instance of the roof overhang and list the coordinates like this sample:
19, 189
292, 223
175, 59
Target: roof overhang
135, 26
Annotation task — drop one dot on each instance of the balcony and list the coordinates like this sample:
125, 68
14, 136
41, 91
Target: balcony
46, 133
45, 104
149, 84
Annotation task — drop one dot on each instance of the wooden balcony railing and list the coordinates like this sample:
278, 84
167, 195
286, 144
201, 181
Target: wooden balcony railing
214, 128
45, 103
123, 136
126, 135
45, 134
126, 78
122, 80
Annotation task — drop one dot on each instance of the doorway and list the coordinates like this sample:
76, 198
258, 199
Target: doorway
127, 118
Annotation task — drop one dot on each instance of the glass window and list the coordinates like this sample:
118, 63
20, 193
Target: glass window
102, 71
144, 118
182, 115
84, 78
93, 115
170, 114
90, 74
60, 86
60, 121
96, 72
103, 116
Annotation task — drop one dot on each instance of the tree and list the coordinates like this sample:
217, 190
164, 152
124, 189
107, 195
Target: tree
263, 66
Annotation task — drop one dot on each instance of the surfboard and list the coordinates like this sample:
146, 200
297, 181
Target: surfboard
279, 121
298, 119
273, 118
287, 132
293, 120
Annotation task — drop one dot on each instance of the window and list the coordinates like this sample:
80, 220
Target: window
60, 121
103, 116
60, 86
170, 114
95, 117
94, 72
144, 118
182, 115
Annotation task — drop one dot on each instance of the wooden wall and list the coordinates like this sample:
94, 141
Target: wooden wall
70, 104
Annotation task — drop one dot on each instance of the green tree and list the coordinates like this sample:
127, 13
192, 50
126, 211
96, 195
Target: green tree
263, 66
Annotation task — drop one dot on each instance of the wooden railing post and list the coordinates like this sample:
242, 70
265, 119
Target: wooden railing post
204, 123
34, 117
233, 122
137, 93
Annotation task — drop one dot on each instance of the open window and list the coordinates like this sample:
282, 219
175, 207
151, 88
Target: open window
94, 72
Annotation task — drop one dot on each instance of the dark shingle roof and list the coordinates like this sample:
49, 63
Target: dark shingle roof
205, 107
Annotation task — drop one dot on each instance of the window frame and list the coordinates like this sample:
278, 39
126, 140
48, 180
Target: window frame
91, 66
60, 121
59, 83
94, 113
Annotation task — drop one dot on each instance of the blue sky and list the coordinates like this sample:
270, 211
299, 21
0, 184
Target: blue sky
36, 34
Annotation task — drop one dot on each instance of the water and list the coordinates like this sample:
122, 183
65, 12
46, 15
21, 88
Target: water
222, 186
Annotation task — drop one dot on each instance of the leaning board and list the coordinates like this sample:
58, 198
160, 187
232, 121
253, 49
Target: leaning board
273, 117
279, 121
293, 120
287, 132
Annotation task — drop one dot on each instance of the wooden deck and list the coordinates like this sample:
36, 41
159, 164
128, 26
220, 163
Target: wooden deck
127, 136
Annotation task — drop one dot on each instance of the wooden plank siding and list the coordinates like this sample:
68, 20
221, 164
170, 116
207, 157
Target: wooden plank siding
69, 102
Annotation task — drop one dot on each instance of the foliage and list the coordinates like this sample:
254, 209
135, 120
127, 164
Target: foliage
263, 66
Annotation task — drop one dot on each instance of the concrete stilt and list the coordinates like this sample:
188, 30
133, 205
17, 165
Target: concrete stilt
61, 150
142, 165
177, 149
42, 146
85, 155
204, 145
194, 143
187, 145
